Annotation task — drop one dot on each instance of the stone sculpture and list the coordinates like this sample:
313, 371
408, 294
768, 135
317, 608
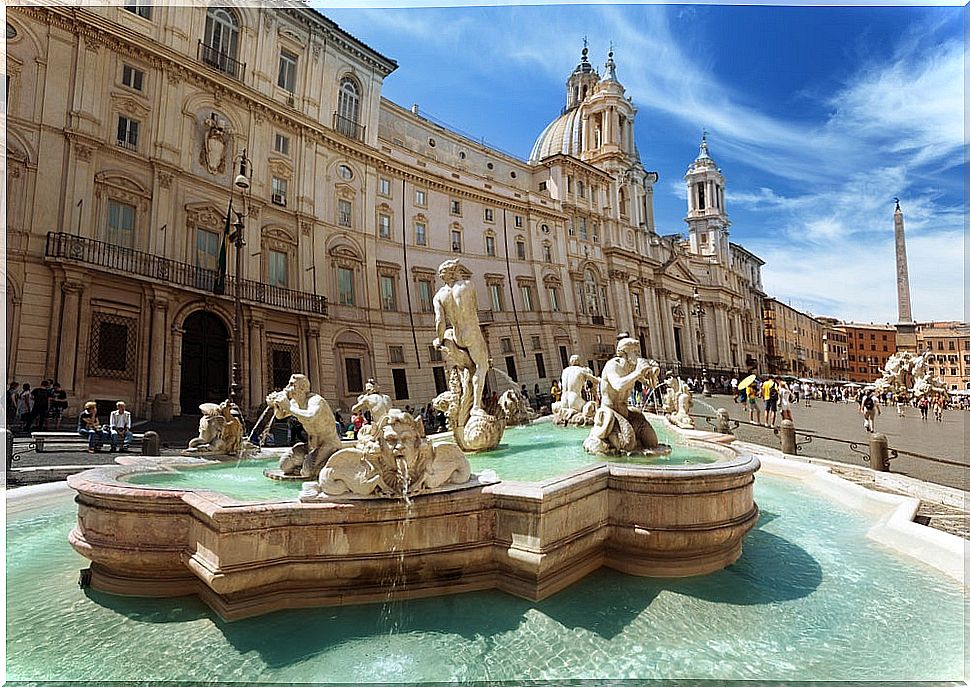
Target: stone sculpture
906, 374
683, 404
373, 400
215, 140
392, 459
313, 412
515, 408
617, 428
572, 410
220, 432
459, 337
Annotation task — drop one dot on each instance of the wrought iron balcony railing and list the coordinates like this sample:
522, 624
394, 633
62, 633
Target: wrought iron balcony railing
348, 127
114, 258
217, 59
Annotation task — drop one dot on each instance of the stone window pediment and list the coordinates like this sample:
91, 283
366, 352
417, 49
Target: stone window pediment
345, 191
280, 169
423, 273
277, 238
388, 269
127, 105
345, 256
207, 216
494, 278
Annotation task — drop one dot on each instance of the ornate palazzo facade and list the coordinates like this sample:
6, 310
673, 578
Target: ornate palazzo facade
125, 127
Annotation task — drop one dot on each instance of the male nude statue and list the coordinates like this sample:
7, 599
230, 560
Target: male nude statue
373, 400
313, 412
456, 303
573, 379
621, 373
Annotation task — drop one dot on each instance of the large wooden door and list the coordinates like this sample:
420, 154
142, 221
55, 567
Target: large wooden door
205, 362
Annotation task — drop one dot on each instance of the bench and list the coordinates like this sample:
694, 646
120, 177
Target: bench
42, 439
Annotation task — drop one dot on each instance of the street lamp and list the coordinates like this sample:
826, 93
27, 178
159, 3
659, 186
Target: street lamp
241, 182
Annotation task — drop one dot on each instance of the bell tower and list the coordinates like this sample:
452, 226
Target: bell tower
707, 220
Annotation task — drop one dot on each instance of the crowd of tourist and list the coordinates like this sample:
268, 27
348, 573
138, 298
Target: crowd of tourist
35, 409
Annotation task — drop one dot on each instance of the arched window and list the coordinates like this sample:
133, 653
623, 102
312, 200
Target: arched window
348, 108
221, 47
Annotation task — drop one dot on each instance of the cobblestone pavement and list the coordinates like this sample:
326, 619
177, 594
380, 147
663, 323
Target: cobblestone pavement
946, 440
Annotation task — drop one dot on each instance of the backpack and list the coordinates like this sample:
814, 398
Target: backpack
868, 404
773, 392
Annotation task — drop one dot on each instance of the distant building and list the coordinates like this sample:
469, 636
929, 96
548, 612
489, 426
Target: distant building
793, 341
835, 353
950, 344
868, 347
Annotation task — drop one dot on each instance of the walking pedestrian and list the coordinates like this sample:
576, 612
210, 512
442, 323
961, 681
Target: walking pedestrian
12, 389
924, 406
58, 404
785, 397
41, 406
869, 409
25, 403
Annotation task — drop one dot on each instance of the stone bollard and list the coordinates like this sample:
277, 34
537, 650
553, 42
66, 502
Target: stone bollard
879, 452
723, 421
788, 438
150, 444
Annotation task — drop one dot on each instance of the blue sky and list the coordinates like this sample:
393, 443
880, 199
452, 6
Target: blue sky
818, 118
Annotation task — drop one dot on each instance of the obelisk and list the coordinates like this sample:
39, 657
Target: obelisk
905, 327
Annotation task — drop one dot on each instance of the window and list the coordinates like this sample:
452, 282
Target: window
127, 133
207, 249
286, 77
526, 293
950, 344
279, 187
384, 226
132, 77
455, 241
495, 292
424, 295
344, 212
636, 304
580, 189
506, 345
355, 377
490, 246
400, 383
384, 186
221, 40
395, 354
510, 367
455, 207
345, 286
520, 249
420, 234
121, 224
420, 197
345, 172
596, 233
440, 384
582, 229
276, 269
704, 238
281, 144
536, 342
542, 186
434, 354
540, 366
489, 215
569, 184
112, 346
388, 293
553, 294
518, 221
546, 252
140, 7
348, 107
281, 360
572, 227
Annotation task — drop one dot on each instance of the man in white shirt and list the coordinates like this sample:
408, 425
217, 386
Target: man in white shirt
120, 422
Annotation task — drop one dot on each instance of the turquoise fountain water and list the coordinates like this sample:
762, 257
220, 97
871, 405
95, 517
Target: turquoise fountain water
811, 598
531, 453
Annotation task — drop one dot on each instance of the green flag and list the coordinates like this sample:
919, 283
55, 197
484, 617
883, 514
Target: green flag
219, 287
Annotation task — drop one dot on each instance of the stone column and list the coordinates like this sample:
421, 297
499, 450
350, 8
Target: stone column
666, 324
69, 335
313, 355
176, 383
655, 328
257, 391
157, 346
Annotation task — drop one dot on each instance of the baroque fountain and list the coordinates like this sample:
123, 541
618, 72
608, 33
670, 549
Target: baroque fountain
398, 504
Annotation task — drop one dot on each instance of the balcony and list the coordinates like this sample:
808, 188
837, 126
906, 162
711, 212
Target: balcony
111, 258
598, 320
486, 316
217, 59
348, 127
604, 349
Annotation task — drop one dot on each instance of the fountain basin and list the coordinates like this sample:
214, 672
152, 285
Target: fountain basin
527, 539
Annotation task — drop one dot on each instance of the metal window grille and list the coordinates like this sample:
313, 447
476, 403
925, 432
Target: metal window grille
281, 360
112, 349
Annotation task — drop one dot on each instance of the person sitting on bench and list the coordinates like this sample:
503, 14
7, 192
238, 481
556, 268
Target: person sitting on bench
89, 427
120, 422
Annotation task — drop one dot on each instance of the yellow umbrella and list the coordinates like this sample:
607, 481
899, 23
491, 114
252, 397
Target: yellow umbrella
747, 381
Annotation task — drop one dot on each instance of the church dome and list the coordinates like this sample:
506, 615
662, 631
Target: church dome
563, 135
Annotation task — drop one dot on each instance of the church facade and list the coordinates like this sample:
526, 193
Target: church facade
126, 129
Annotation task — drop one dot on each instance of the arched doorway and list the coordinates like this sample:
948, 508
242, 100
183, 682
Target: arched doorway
205, 361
